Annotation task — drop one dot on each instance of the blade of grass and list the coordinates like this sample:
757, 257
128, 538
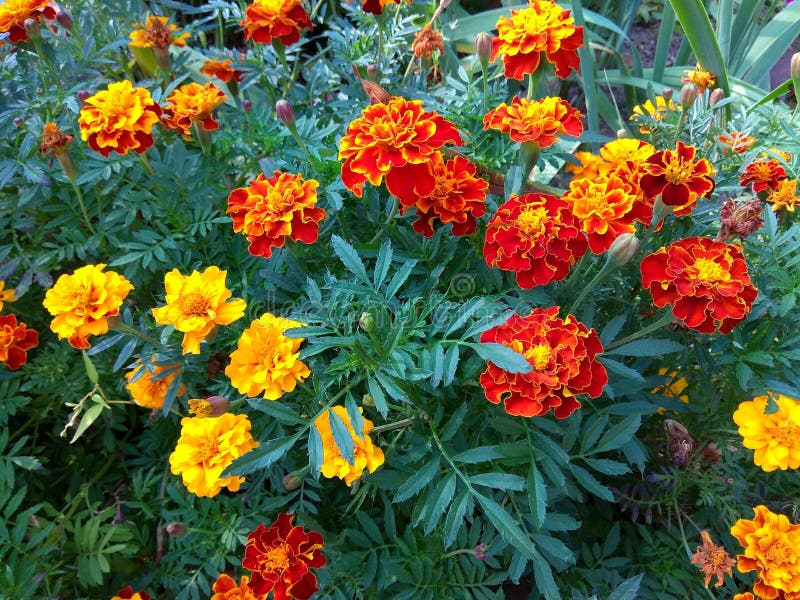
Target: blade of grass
744, 23
588, 75
772, 41
724, 20
664, 41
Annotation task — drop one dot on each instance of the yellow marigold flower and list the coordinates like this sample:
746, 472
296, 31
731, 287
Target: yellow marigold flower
366, 455
656, 112
192, 103
196, 304
146, 385
775, 437
701, 78
618, 152
82, 302
155, 33
673, 388
14, 13
6, 295
206, 447
267, 361
591, 165
784, 195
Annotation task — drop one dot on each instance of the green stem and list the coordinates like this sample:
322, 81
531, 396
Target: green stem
86, 219
147, 166
389, 219
608, 267
389, 426
303, 147
665, 319
533, 82
120, 326
379, 20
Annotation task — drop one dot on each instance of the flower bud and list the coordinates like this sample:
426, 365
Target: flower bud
688, 95
213, 406
175, 528
667, 94
483, 48
32, 28
716, 97
285, 112
247, 106
623, 249
19, 122
367, 400
794, 68
366, 322
82, 95
480, 551
622, 134
292, 481
373, 72
64, 19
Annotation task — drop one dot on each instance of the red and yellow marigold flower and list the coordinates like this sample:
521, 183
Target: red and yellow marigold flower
713, 560
366, 455
652, 111
772, 549
763, 175
376, 7
775, 436
390, 136
6, 295
265, 360
784, 195
706, 282
127, 593
196, 304
222, 70
269, 211
81, 303
53, 139
14, 13
281, 557
736, 142
563, 356
678, 178
703, 79
192, 104
206, 447
537, 237
148, 386
538, 121
15, 341
119, 118
589, 165
449, 191
156, 32
225, 588
541, 28
265, 20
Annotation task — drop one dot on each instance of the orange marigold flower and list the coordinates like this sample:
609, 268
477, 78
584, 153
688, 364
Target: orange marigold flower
6, 295
618, 152
82, 302
15, 341
14, 13
119, 118
281, 558
225, 588
562, 354
265, 20
389, 136
155, 33
206, 447
649, 111
270, 210
376, 7
538, 121
589, 165
784, 195
148, 384
775, 436
542, 27
763, 175
426, 41
449, 191
267, 361
772, 549
706, 282
713, 560
192, 103
366, 455
222, 70
744, 596
53, 139
736, 141
537, 237
678, 178
127, 593
703, 80
196, 304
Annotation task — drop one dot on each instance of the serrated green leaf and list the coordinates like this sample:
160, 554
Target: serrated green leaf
618, 435
350, 258
590, 484
537, 495
417, 481
444, 495
504, 357
628, 589
499, 481
342, 436
378, 397
647, 347
262, 457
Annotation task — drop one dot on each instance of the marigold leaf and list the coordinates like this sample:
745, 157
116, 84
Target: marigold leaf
382, 264
537, 495
378, 397
444, 495
342, 437
262, 457
416, 482
502, 356
618, 435
350, 258
628, 589
590, 484
499, 481
455, 517
647, 347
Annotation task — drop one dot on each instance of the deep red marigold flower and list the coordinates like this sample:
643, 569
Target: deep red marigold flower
192, 103
543, 27
222, 70
537, 237
127, 593
376, 7
15, 341
270, 210
763, 175
563, 355
537, 121
388, 136
225, 588
14, 13
706, 282
281, 558
678, 178
265, 20
449, 191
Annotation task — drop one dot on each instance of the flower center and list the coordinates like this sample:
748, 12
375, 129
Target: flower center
532, 221
272, 7
279, 201
157, 34
762, 170
539, 355
277, 559
194, 305
677, 171
778, 554
784, 434
208, 449
718, 557
709, 271
6, 336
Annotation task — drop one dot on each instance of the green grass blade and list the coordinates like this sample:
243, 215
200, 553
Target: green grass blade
744, 24
587, 74
663, 43
774, 94
724, 21
773, 40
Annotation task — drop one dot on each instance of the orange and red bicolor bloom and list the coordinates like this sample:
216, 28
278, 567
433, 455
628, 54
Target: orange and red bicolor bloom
390, 136
705, 281
127, 593
225, 588
541, 28
736, 142
446, 190
265, 20
222, 70
678, 178
537, 237
763, 175
562, 354
272, 209
376, 7
14, 13
281, 557
15, 341
538, 121
192, 103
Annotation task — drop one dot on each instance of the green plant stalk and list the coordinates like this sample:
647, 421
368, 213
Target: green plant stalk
82, 204
607, 268
147, 166
293, 130
120, 326
665, 319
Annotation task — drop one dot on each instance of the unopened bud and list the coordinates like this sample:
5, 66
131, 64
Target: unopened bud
716, 97
32, 28
367, 400
82, 95
622, 134
667, 94
794, 67
213, 406
19, 122
292, 481
175, 528
366, 322
64, 19
623, 249
483, 48
688, 95
373, 72
285, 112
247, 106
480, 551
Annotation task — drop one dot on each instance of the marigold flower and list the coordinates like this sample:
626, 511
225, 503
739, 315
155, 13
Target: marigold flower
206, 447
222, 70
213, 406
703, 79
366, 455
763, 175
6, 295
784, 195
281, 558
196, 304
426, 41
736, 142
127, 593
706, 282
542, 27
15, 341
449, 191
119, 118
82, 302
14, 13
618, 152
267, 361
265, 20
537, 237
713, 560
678, 178
774, 436
673, 388
376, 7
225, 588
772, 549
650, 111
563, 355
741, 218
589, 165
53, 139
538, 121
146, 385
269, 211
192, 103
155, 33
389, 136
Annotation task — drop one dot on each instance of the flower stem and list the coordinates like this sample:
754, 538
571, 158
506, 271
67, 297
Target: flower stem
389, 426
79, 195
608, 267
120, 326
147, 166
665, 319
